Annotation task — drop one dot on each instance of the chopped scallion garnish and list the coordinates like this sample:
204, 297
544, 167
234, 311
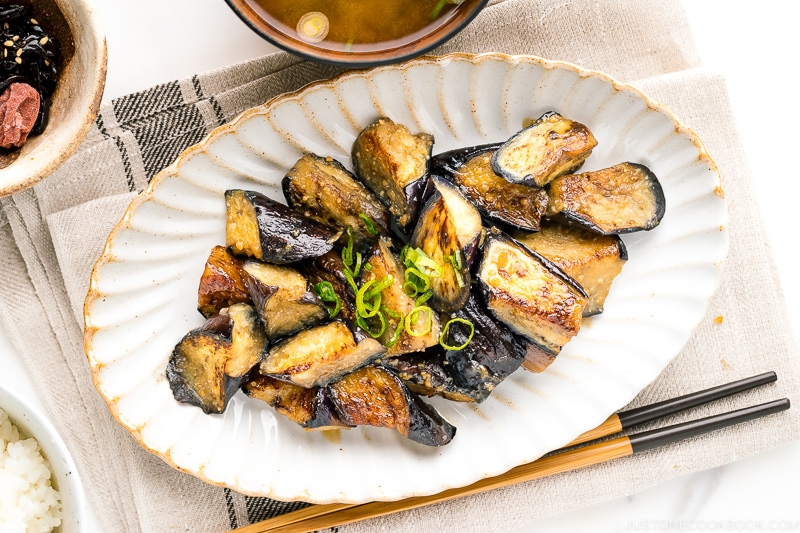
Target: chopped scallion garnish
412, 317
327, 294
369, 224
447, 327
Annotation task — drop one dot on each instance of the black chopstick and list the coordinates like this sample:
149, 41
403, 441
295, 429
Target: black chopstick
323, 516
633, 417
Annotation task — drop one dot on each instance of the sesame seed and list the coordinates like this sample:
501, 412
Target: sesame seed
8, 43
46, 63
5, 25
18, 60
15, 38
19, 52
43, 40
34, 21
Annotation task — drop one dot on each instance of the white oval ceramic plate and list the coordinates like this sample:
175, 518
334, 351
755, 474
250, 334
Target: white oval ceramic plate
142, 298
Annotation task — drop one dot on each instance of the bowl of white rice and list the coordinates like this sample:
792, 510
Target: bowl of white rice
40, 490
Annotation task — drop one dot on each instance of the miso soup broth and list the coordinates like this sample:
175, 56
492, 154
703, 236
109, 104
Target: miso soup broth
354, 25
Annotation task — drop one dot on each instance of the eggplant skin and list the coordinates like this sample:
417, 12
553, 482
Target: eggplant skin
512, 205
324, 190
330, 267
373, 396
591, 259
530, 294
449, 225
469, 374
390, 160
383, 262
309, 408
553, 145
317, 356
259, 227
209, 364
621, 199
221, 284
283, 298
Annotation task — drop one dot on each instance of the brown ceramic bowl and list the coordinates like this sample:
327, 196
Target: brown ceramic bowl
380, 53
77, 26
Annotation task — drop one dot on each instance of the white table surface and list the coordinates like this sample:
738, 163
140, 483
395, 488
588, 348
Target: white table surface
752, 43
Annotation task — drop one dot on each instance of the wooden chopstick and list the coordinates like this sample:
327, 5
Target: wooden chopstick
324, 516
593, 454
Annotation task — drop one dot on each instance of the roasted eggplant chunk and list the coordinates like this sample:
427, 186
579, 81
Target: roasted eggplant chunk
221, 284
382, 263
324, 190
310, 408
513, 205
210, 363
373, 396
537, 359
591, 259
529, 293
489, 352
449, 231
620, 199
283, 298
393, 163
259, 227
330, 268
316, 356
551, 146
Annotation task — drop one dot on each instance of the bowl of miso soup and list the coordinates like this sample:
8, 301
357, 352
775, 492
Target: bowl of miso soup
357, 32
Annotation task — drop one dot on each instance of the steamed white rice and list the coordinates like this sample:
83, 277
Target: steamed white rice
28, 502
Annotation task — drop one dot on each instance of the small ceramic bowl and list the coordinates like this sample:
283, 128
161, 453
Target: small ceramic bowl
76, 100
32, 423
310, 39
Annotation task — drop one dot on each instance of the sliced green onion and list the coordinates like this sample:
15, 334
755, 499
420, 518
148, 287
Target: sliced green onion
424, 298
327, 294
420, 281
436, 10
411, 318
367, 267
367, 309
369, 224
410, 289
391, 314
385, 282
362, 323
358, 264
347, 251
447, 326
349, 277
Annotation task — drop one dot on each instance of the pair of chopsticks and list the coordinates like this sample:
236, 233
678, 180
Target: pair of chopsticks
328, 515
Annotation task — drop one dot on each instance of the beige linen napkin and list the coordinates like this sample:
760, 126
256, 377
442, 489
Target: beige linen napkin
51, 235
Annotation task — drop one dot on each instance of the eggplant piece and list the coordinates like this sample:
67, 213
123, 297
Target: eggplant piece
373, 396
317, 356
470, 374
310, 408
530, 294
551, 146
259, 227
325, 191
283, 298
513, 205
393, 164
221, 284
620, 199
383, 262
537, 359
330, 267
210, 363
591, 259
449, 230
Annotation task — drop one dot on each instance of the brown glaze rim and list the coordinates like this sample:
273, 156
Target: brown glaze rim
465, 13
